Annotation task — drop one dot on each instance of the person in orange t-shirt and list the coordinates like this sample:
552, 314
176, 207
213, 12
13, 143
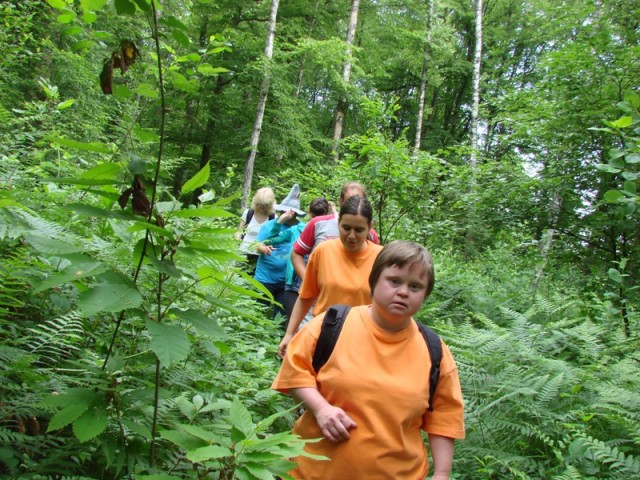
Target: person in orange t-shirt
338, 269
369, 402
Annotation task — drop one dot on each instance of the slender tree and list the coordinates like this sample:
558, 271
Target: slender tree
262, 102
423, 77
346, 76
477, 60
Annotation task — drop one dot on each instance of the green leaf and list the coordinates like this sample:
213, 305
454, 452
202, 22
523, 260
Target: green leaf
50, 245
183, 83
203, 324
607, 168
147, 90
622, 122
617, 162
139, 226
92, 5
65, 105
125, 7
207, 69
240, 418
103, 171
71, 31
91, 211
109, 297
204, 212
100, 35
81, 45
67, 17
191, 57
145, 135
199, 432
630, 187
157, 477
85, 146
613, 196
615, 275
198, 180
169, 342
72, 396
143, 5
181, 38
89, 17
633, 158
59, 4
183, 439
66, 416
81, 267
122, 92
208, 453
91, 424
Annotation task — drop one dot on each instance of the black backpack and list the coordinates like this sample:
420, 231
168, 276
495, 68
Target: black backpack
332, 325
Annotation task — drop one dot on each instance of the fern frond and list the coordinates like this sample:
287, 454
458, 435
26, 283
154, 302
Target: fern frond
571, 473
56, 338
611, 456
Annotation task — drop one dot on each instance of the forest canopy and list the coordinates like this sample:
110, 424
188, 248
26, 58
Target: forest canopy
504, 135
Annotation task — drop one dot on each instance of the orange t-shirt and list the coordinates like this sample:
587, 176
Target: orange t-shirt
380, 380
335, 275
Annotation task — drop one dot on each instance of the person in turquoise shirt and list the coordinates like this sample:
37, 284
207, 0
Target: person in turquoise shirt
280, 235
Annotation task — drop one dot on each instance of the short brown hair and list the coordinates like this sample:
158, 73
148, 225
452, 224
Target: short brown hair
352, 186
400, 253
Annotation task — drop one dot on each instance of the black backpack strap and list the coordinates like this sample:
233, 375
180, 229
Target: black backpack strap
331, 326
435, 352
250, 213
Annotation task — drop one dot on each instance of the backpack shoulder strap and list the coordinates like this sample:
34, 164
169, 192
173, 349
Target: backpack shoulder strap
249, 216
331, 326
435, 352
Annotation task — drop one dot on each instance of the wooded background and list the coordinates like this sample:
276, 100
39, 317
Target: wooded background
501, 134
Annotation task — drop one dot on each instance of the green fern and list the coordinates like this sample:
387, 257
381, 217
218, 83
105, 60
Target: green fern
56, 338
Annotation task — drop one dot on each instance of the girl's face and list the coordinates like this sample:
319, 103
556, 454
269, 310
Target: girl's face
398, 295
353, 231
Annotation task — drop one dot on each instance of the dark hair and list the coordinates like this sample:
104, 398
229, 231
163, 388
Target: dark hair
357, 206
348, 186
319, 206
401, 253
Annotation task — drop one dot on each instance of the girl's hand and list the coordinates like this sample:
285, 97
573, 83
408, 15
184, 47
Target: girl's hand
265, 249
334, 423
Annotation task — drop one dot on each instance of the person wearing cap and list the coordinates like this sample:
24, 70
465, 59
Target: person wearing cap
272, 262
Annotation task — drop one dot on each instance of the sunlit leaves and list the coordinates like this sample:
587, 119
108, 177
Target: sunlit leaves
198, 180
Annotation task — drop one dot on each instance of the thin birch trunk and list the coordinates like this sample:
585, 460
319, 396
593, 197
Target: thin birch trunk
262, 102
423, 79
346, 77
476, 85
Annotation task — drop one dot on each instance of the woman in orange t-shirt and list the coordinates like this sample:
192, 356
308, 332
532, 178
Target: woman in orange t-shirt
338, 269
370, 402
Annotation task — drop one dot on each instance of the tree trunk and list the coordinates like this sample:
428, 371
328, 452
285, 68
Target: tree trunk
346, 76
262, 102
477, 60
423, 79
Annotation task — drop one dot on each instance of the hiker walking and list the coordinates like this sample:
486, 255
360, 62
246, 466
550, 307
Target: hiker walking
371, 399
